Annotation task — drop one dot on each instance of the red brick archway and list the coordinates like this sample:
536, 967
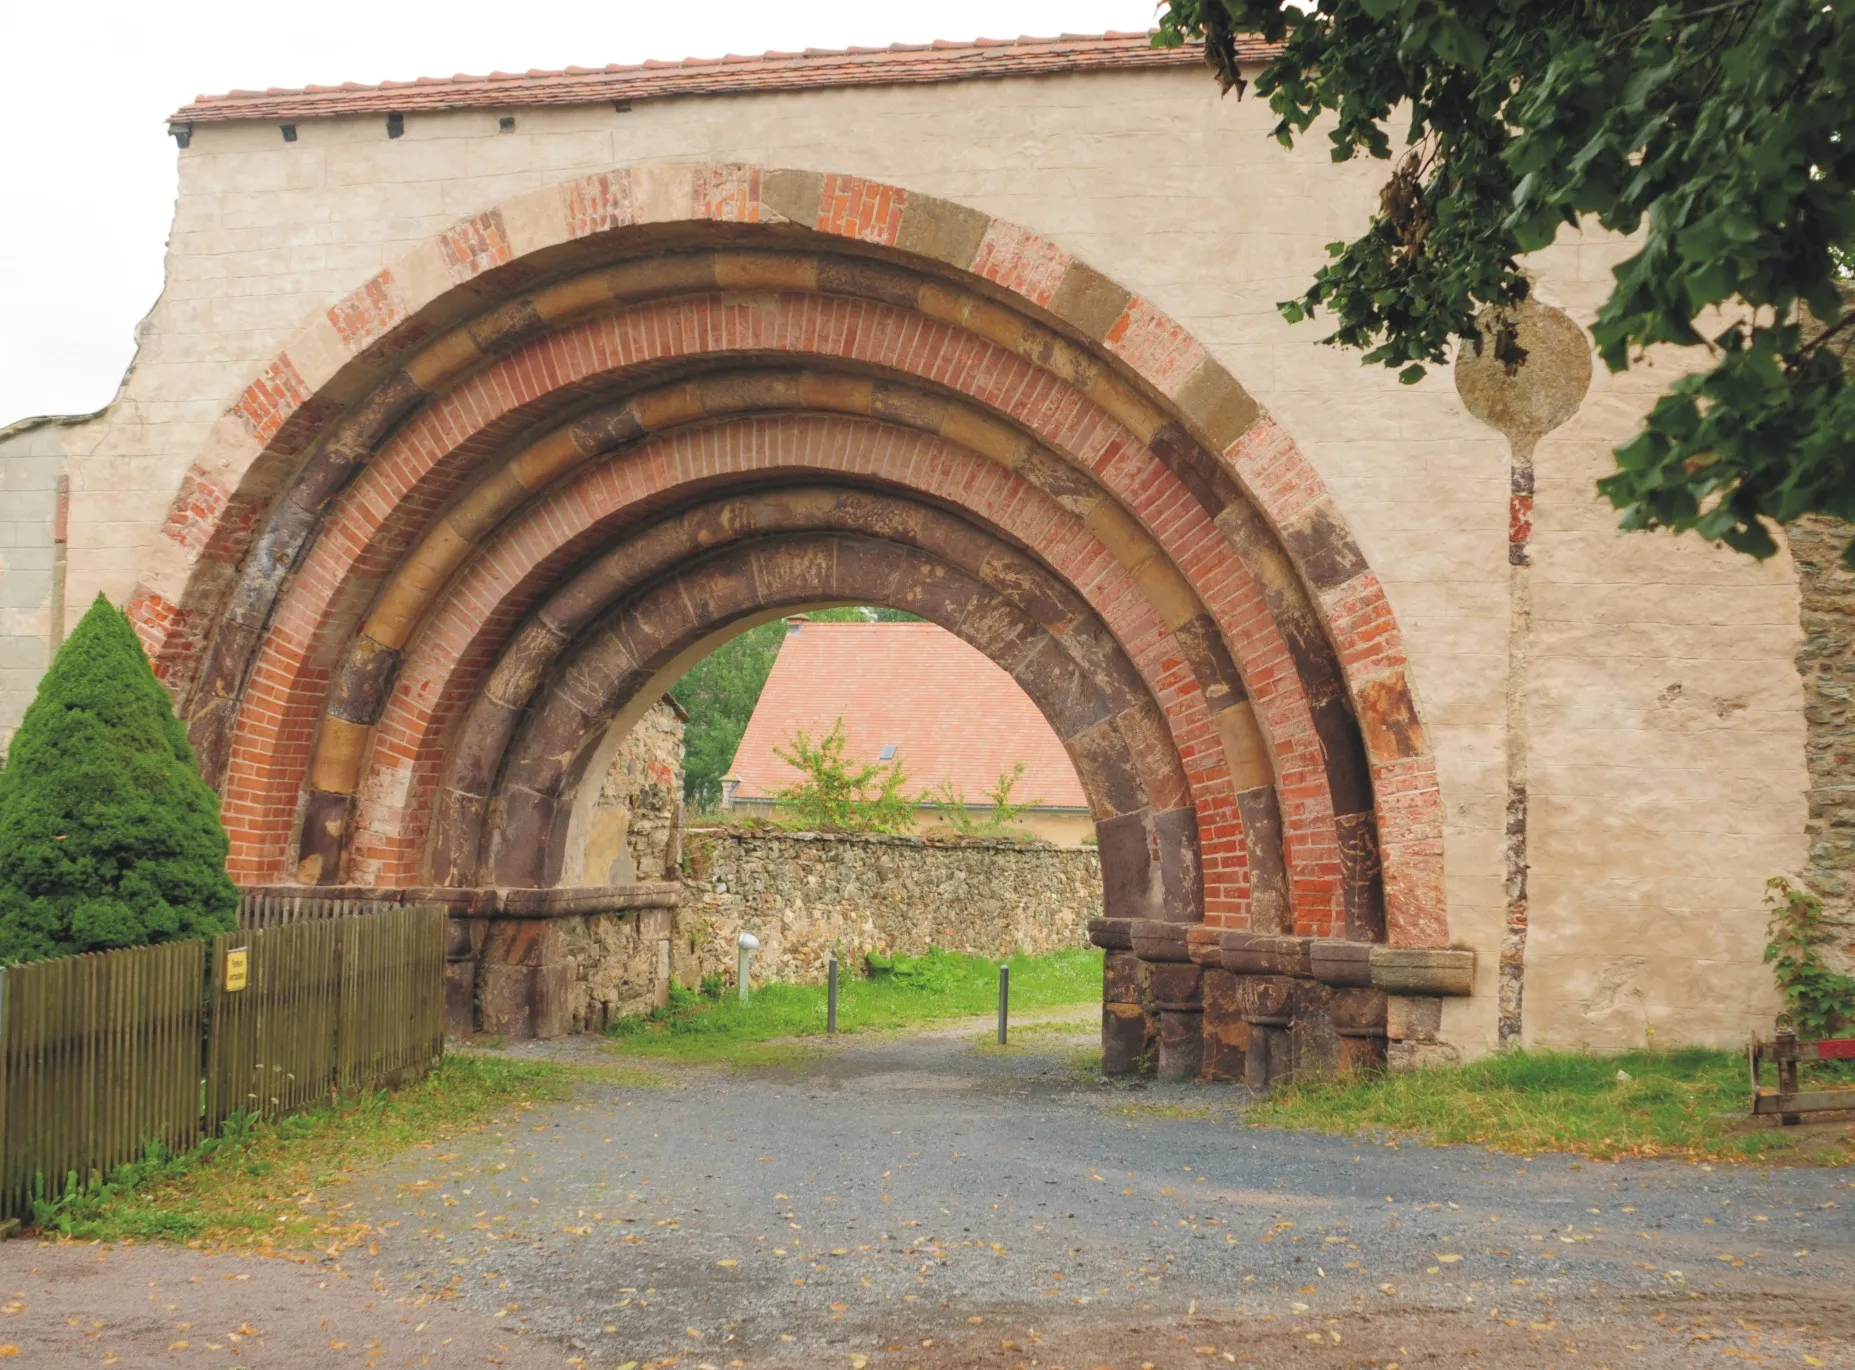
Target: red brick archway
480, 482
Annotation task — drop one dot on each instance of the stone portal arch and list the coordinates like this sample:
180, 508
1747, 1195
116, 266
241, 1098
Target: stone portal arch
476, 507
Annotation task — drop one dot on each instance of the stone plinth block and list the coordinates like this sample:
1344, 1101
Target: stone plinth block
1267, 1000
1203, 945
1112, 934
1181, 1043
1360, 1017
1123, 978
1255, 953
1177, 987
1226, 1032
1340, 963
1128, 1034
1161, 942
460, 998
1314, 1042
1413, 1018
1423, 970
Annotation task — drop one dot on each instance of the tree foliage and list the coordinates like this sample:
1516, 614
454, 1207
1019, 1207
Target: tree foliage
1819, 1002
1001, 813
835, 792
1718, 130
108, 836
720, 691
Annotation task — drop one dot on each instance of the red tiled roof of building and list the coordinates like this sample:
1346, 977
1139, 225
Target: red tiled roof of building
950, 713
900, 64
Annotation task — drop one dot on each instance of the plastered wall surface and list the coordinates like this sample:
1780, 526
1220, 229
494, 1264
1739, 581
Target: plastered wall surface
31, 462
1665, 715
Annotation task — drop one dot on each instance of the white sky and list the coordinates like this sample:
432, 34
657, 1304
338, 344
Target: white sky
88, 168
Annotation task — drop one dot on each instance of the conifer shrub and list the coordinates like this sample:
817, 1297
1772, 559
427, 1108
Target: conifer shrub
108, 836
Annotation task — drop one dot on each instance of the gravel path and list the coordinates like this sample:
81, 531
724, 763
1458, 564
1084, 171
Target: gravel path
923, 1201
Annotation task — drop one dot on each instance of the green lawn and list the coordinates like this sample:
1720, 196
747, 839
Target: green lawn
1689, 1103
911, 990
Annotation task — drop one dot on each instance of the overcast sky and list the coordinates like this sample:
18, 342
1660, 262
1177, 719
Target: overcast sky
88, 168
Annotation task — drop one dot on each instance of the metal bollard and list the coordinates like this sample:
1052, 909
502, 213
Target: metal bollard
1004, 1002
749, 944
830, 997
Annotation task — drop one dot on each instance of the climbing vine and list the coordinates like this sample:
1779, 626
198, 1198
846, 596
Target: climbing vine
1818, 1002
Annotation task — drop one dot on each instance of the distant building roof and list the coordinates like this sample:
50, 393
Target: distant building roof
901, 64
950, 713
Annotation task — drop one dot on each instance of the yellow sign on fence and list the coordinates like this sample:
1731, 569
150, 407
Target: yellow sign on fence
237, 959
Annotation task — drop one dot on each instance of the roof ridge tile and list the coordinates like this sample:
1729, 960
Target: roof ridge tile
899, 63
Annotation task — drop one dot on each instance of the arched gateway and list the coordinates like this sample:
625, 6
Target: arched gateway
500, 496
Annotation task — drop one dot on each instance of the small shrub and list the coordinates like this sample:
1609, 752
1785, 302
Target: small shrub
108, 836
837, 793
998, 821
1818, 1002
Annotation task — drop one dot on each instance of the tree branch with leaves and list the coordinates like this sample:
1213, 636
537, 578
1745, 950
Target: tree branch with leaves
1717, 131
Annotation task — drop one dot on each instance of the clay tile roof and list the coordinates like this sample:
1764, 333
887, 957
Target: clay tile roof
899, 64
950, 713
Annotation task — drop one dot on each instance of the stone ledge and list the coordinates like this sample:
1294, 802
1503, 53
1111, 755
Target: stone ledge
1328, 961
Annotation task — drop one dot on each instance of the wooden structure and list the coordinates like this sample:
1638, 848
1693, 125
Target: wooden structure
105, 1055
1786, 1053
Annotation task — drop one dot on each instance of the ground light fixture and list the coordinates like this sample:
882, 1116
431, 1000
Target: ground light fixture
749, 944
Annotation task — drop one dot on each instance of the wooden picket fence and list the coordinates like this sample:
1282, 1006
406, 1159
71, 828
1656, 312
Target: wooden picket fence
258, 909
101, 1055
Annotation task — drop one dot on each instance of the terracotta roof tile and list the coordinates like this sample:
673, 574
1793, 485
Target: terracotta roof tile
900, 64
949, 711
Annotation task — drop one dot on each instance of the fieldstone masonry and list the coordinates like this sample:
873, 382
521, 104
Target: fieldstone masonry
809, 895
633, 832
1826, 664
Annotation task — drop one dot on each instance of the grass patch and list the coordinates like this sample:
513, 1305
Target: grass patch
899, 992
264, 1184
1174, 1112
1689, 1103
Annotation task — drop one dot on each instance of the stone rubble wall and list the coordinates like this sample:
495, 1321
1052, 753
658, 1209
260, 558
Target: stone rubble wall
805, 895
1826, 664
632, 834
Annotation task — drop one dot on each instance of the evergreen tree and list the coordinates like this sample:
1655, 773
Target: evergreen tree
108, 836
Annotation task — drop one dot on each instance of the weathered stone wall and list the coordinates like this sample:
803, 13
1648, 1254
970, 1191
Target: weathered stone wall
632, 832
1826, 664
616, 959
805, 895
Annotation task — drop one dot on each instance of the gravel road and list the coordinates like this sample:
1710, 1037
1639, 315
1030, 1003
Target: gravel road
921, 1200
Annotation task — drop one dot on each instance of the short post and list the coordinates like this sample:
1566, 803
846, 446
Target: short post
749, 944
830, 996
1004, 1002
1787, 1073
